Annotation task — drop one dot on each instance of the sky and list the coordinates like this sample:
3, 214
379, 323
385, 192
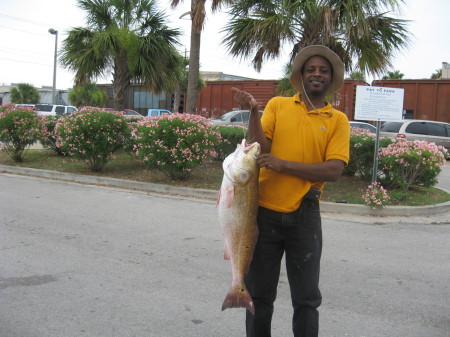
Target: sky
27, 48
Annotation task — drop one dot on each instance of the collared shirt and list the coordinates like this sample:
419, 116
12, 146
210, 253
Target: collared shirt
302, 136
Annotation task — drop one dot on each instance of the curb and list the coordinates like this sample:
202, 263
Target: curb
211, 195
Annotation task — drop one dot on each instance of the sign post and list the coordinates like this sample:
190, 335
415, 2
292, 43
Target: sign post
378, 104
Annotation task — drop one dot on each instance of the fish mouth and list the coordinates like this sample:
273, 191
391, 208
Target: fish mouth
247, 147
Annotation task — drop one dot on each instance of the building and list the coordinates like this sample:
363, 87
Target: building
45, 93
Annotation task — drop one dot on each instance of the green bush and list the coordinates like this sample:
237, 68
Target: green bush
405, 163
92, 135
19, 129
230, 137
362, 148
49, 140
175, 143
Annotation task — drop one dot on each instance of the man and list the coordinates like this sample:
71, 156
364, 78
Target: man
304, 143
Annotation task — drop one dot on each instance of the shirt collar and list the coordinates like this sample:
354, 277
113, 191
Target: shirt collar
325, 110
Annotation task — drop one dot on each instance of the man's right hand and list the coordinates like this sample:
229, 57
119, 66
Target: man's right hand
244, 99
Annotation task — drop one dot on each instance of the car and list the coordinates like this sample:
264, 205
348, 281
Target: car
55, 109
363, 125
234, 117
157, 112
416, 129
131, 113
126, 112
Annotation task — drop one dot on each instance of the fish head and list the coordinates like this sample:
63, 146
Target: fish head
251, 153
241, 165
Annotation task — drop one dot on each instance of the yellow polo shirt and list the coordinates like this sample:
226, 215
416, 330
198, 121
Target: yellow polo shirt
302, 136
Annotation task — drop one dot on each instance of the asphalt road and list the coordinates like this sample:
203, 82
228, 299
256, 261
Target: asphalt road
79, 260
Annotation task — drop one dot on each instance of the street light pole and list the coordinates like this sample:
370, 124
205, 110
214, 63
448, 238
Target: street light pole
54, 32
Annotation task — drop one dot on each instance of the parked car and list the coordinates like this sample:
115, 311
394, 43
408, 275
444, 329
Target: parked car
157, 112
55, 109
131, 113
235, 117
126, 112
363, 125
412, 129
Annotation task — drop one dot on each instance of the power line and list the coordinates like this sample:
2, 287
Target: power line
18, 61
24, 31
28, 52
24, 20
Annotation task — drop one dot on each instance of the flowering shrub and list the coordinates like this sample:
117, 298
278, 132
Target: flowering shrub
375, 195
362, 148
19, 129
230, 137
49, 140
405, 163
175, 143
92, 135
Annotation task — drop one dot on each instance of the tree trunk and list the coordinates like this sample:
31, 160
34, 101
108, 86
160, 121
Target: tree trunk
121, 80
177, 99
194, 68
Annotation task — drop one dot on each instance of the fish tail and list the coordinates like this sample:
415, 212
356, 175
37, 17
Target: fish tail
238, 297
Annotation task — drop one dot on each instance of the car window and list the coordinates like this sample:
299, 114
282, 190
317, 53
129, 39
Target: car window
59, 110
447, 127
244, 116
44, 107
70, 110
436, 129
237, 118
226, 116
391, 126
418, 128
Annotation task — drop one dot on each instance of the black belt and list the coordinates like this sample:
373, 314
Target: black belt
313, 194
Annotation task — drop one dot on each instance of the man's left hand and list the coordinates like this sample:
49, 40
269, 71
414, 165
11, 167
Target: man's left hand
270, 162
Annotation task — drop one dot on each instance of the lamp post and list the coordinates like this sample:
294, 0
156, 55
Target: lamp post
54, 32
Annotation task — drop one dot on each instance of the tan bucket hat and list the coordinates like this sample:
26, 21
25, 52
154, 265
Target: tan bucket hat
317, 50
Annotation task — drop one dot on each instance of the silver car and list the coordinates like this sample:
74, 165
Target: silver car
363, 125
235, 117
412, 129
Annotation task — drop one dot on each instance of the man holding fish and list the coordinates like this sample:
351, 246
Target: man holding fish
304, 142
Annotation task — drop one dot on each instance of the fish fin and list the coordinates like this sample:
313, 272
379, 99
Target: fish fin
218, 197
239, 297
230, 196
226, 252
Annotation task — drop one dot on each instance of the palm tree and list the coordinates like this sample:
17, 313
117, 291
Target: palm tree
88, 95
197, 14
183, 84
357, 76
24, 93
393, 75
284, 87
128, 38
437, 74
357, 31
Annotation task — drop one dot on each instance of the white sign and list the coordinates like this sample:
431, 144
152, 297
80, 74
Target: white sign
378, 103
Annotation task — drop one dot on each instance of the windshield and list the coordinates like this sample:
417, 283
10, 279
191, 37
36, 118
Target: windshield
226, 116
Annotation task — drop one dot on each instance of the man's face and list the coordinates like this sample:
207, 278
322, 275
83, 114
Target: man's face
317, 76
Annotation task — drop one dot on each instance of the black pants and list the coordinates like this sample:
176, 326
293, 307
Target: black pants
299, 234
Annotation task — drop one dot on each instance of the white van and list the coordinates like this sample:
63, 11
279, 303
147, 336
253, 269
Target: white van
412, 129
54, 109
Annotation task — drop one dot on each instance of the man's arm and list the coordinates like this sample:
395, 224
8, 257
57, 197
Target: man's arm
247, 101
329, 170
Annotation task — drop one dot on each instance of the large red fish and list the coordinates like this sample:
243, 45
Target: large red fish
238, 206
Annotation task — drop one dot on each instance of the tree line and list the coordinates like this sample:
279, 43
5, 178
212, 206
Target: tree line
131, 39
